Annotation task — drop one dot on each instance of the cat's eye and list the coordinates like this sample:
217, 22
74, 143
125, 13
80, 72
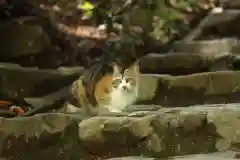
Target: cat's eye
116, 82
129, 80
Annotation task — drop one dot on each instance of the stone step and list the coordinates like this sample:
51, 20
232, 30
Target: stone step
201, 88
159, 131
230, 4
16, 81
227, 155
183, 63
163, 133
216, 48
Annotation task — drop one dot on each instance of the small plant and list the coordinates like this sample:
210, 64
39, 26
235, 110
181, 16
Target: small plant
87, 8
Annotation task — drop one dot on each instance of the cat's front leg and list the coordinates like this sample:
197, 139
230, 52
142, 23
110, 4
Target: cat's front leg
114, 111
112, 108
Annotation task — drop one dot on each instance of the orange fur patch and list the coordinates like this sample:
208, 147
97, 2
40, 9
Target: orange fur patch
103, 89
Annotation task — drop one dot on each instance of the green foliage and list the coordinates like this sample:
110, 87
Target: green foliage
167, 22
87, 8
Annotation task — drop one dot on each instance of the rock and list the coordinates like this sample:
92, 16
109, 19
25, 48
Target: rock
39, 47
200, 88
18, 81
221, 25
179, 63
21, 38
228, 155
183, 63
230, 4
157, 134
211, 49
213, 21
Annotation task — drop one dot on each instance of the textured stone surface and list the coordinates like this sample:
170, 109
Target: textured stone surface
209, 48
201, 88
161, 133
15, 42
183, 63
16, 81
228, 155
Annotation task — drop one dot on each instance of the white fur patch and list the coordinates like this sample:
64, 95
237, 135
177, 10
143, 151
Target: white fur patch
217, 10
121, 99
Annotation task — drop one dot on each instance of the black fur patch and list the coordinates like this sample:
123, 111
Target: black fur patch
91, 76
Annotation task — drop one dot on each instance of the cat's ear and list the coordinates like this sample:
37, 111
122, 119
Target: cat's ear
135, 66
116, 68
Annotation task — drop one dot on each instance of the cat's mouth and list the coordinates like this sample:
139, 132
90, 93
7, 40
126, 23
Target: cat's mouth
122, 89
127, 90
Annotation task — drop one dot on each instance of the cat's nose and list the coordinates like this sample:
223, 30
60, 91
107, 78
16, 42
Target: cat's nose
124, 87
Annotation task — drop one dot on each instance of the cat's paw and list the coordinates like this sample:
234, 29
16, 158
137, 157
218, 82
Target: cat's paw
114, 110
217, 10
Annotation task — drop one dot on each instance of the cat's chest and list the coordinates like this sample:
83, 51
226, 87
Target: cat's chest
122, 99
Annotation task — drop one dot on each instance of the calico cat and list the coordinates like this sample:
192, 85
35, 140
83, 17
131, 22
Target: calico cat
112, 91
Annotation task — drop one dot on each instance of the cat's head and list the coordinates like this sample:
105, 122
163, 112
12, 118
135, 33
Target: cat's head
125, 79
